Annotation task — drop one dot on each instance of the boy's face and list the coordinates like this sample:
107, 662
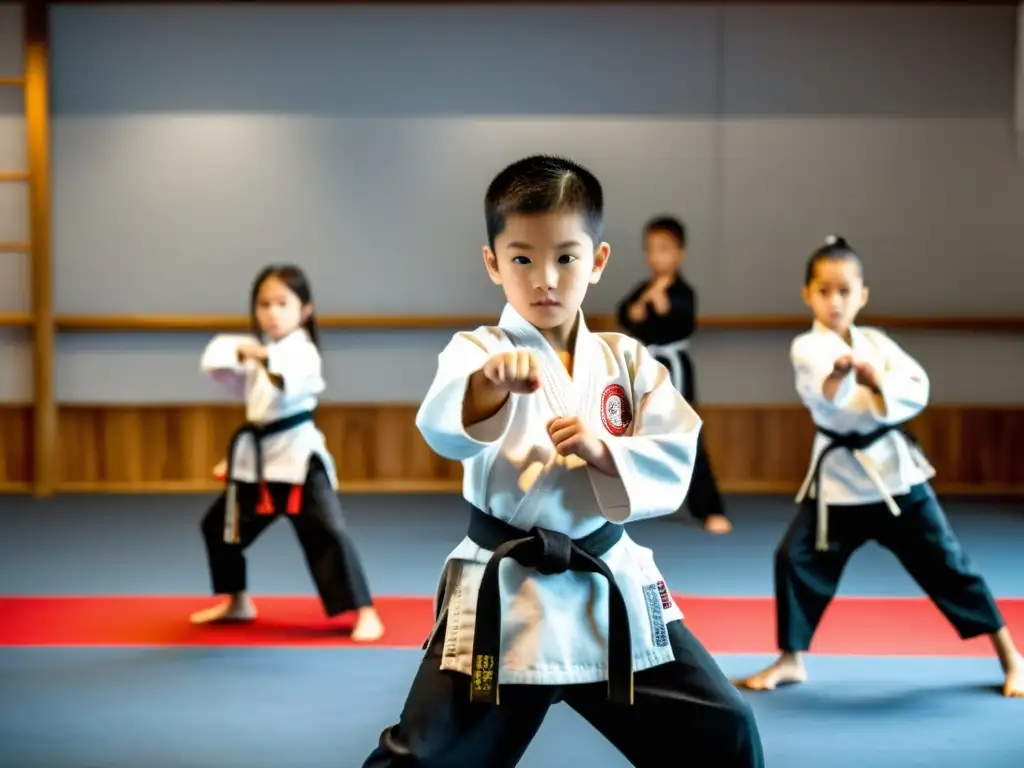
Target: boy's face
663, 252
545, 262
837, 293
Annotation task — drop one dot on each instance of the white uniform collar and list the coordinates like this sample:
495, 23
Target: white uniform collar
565, 394
526, 334
855, 332
299, 335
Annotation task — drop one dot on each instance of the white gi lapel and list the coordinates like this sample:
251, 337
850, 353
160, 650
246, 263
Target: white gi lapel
557, 385
565, 395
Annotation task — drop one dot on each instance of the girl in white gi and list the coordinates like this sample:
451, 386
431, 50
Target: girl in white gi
868, 480
564, 435
278, 461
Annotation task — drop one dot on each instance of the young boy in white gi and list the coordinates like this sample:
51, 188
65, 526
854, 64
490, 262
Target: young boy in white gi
564, 435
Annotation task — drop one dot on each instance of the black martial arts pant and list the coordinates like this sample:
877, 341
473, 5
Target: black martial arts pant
921, 538
330, 552
703, 499
687, 704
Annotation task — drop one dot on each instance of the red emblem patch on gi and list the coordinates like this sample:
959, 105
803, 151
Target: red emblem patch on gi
666, 598
615, 411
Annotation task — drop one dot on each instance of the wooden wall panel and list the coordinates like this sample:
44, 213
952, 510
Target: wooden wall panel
754, 448
16, 448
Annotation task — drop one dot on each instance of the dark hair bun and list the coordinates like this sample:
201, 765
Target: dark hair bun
836, 241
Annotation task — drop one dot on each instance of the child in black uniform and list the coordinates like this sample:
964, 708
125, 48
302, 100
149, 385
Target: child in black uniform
661, 313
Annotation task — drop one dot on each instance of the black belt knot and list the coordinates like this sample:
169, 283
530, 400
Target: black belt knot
260, 432
548, 552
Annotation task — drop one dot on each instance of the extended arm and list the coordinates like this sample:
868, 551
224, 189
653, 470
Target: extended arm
220, 362
461, 414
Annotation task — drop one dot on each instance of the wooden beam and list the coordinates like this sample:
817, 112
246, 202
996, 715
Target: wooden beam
224, 323
37, 124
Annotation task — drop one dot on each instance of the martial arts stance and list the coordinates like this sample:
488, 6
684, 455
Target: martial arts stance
868, 480
278, 461
661, 313
564, 435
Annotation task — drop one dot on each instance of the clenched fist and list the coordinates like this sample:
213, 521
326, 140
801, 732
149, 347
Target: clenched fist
866, 376
517, 372
571, 437
841, 367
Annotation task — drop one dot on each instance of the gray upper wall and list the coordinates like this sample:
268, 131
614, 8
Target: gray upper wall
193, 145
402, 61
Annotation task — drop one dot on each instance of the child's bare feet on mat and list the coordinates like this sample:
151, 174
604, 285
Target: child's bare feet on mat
1011, 662
788, 669
717, 525
368, 627
1014, 686
238, 607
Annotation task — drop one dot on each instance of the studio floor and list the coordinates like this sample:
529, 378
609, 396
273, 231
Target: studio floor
99, 667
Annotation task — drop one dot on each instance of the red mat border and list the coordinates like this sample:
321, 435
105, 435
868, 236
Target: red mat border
853, 626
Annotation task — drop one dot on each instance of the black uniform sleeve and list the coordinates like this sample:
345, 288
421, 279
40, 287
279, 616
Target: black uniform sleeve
633, 329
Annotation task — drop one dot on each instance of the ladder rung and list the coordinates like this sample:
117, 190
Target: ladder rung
12, 82
15, 247
16, 320
13, 176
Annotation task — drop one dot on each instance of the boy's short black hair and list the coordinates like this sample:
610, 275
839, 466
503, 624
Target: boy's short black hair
835, 248
544, 184
669, 225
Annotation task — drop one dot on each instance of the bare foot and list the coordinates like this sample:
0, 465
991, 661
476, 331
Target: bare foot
717, 525
1014, 686
236, 608
788, 669
368, 627
1011, 661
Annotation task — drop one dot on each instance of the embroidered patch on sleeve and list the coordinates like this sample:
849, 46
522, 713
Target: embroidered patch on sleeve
659, 632
616, 415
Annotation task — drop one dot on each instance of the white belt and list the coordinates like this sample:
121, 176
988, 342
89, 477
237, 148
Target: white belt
671, 352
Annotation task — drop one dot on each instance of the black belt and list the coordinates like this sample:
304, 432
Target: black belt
258, 432
548, 552
856, 441
849, 441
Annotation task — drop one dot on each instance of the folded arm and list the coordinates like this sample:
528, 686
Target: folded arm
653, 463
903, 385
817, 388
295, 368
